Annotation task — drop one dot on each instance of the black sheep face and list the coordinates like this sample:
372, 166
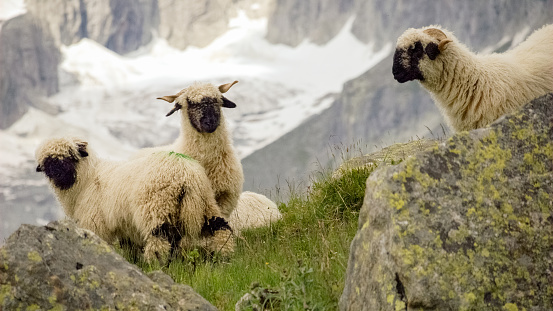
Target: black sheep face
205, 116
407, 61
62, 171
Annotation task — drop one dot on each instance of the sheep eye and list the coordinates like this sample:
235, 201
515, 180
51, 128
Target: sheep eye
417, 51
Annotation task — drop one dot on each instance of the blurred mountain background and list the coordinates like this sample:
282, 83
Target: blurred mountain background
315, 79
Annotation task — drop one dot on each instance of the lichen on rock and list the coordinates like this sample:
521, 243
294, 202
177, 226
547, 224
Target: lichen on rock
467, 225
62, 267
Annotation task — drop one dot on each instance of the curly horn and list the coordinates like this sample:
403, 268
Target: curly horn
225, 87
168, 98
442, 44
435, 33
440, 35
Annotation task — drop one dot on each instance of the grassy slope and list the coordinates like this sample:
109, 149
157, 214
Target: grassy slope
298, 263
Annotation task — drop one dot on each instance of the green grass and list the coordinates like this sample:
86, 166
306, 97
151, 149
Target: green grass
298, 263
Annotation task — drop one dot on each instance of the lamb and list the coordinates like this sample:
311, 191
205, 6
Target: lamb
474, 90
254, 210
204, 136
161, 202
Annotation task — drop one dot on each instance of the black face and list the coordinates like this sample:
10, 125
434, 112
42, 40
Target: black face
61, 172
412, 56
204, 116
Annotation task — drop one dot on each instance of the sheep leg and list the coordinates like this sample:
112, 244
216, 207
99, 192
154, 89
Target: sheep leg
157, 248
217, 236
227, 202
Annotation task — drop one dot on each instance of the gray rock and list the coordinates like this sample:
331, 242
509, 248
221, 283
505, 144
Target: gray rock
292, 21
29, 62
464, 226
120, 25
62, 267
192, 22
477, 23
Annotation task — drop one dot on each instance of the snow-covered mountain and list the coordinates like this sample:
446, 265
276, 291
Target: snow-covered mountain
109, 99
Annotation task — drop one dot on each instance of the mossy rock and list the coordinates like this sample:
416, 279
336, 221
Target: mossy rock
467, 225
62, 267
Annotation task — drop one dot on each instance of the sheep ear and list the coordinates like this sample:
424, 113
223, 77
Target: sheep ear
177, 107
168, 98
225, 87
432, 50
39, 169
82, 149
227, 103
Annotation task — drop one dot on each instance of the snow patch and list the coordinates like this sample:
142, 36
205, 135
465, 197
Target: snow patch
11, 8
301, 76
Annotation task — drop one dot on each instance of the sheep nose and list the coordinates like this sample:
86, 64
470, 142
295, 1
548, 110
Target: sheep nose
398, 70
209, 124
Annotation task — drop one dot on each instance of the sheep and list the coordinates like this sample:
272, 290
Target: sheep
474, 90
205, 137
161, 202
253, 210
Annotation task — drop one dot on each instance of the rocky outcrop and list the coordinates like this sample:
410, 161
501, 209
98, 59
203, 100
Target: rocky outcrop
465, 226
193, 22
62, 267
29, 44
381, 21
198, 23
29, 62
120, 25
292, 21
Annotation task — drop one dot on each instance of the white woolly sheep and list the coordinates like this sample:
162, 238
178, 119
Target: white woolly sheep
474, 90
204, 136
254, 210
161, 202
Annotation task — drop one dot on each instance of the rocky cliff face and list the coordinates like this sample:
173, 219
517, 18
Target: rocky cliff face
464, 226
122, 26
480, 24
199, 22
29, 44
29, 61
292, 21
375, 108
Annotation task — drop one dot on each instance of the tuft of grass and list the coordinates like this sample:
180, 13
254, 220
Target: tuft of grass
298, 263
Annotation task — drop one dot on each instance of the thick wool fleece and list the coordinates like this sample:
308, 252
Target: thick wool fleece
253, 210
474, 90
143, 200
214, 151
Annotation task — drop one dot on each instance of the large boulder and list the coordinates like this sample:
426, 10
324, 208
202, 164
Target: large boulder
467, 225
62, 267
